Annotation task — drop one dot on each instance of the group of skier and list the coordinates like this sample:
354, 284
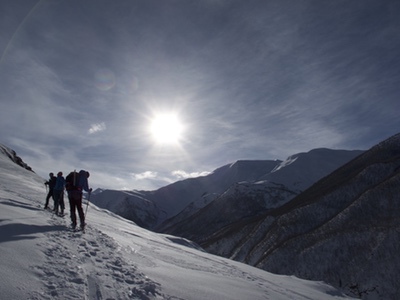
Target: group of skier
75, 183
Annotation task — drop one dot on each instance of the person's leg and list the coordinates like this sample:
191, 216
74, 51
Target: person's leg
56, 197
72, 211
80, 212
54, 200
49, 194
61, 202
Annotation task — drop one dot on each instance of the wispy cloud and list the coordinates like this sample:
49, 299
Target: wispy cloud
97, 127
180, 174
144, 175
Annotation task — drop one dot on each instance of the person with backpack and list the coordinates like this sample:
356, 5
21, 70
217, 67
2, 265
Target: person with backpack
76, 183
58, 194
51, 183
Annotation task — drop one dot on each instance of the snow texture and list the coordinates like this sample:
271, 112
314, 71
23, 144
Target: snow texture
115, 259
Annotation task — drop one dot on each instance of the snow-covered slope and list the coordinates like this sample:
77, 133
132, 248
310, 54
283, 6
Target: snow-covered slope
131, 205
301, 170
180, 200
172, 199
347, 226
115, 259
251, 198
13, 156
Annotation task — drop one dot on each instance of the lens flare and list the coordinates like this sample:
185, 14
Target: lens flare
105, 79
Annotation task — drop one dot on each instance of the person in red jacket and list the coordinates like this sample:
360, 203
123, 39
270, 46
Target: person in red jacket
76, 183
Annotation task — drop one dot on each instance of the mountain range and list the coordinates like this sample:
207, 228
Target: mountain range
346, 226
168, 205
329, 215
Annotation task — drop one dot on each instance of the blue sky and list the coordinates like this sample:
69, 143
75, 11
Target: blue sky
82, 81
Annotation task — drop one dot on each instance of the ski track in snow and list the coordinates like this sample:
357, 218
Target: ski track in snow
93, 268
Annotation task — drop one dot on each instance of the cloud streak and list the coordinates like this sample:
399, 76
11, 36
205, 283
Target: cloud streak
262, 80
180, 174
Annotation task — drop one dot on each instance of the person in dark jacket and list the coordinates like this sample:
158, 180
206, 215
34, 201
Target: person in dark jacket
76, 183
51, 183
58, 194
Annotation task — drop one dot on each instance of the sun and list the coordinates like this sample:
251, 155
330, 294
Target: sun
166, 128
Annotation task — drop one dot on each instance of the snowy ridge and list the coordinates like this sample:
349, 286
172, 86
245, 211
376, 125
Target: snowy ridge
300, 171
251, 198
346, 226
172, 199
181, 200
128, 204
14, 157
116, 259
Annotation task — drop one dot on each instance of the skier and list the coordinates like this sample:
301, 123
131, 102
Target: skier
75, 184
51, 183
58, 194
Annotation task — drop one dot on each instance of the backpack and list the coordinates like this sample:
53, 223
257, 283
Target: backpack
72, 181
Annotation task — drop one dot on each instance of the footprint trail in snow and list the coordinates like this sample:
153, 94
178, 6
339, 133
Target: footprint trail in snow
89, 266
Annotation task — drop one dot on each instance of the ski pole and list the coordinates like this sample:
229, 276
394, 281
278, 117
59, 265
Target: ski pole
87, 205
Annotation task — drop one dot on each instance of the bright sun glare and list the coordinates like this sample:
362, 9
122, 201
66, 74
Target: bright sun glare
166, 129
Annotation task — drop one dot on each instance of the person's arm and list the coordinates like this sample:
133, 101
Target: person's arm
85, 185
83, 182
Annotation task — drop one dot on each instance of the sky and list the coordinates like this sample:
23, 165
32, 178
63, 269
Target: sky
144, 93
116, 259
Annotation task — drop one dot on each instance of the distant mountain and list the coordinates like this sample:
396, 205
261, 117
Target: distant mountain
156, 206
253, 197
178, 201
346, 226
131, 205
